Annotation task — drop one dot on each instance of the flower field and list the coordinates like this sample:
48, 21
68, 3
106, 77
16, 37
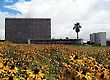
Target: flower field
53, 62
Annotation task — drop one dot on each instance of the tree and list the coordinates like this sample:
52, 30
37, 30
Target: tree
77, 28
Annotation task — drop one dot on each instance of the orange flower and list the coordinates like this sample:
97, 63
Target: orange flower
1, 64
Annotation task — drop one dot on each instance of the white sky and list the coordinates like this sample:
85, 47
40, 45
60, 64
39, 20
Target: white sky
93, 15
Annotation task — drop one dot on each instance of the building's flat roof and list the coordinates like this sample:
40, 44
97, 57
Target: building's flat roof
29, 18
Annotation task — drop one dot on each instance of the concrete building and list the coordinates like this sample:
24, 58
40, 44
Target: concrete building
98, 38
92, 38
56, 41
20, 30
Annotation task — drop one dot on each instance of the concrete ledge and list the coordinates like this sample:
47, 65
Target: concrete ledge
56, 41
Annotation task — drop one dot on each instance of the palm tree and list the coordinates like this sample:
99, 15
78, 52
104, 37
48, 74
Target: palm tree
77, 28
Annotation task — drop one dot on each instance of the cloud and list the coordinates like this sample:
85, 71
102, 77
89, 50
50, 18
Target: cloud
22, 6
4, 15
97, 19
64, 14
2, 24
93, 15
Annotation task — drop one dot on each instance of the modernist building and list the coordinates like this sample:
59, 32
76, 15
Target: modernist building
98, 38
19, 30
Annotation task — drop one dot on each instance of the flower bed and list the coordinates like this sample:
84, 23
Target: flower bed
53, 62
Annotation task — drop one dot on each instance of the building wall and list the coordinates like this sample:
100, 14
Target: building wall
98, 38
19, 30
103, 38
57, 41
92, 36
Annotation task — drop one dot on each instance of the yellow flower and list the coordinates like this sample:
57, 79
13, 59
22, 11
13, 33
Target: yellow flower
80, 75
13, 69
40, 74
88, 77
107, 77
1, 54
5, 78
10, 78
65, 64
1, 70
72, 58
98, 74
0, 59
37, 75
80, 62
106, 71
6, 68
29, 71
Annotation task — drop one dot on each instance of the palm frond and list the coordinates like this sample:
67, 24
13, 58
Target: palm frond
79, 26
74, 28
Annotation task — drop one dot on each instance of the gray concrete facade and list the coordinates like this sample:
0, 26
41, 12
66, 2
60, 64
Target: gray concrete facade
19, 30
98, 38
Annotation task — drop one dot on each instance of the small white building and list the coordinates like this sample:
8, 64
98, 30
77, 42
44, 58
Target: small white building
98, 38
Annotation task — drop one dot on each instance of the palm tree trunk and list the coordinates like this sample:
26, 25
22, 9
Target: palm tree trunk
77, 38
77, 35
